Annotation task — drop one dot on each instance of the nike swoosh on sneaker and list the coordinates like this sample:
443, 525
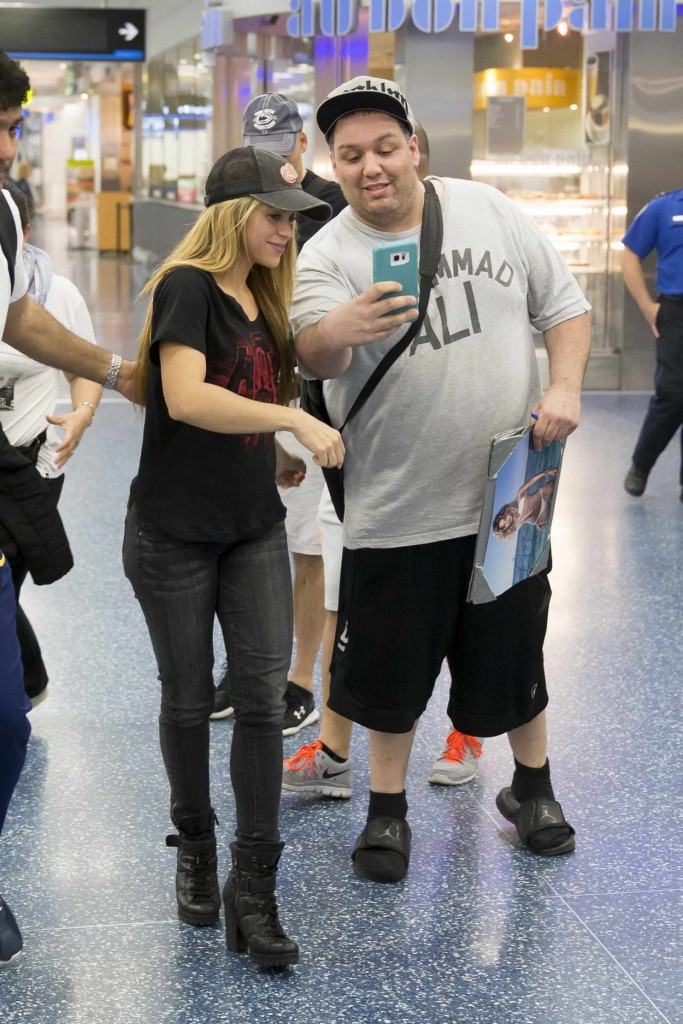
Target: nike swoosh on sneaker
327, 774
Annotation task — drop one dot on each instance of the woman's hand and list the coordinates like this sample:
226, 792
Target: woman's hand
324, 442
74, 425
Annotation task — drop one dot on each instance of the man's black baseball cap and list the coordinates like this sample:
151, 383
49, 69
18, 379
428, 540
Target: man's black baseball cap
364, 93
260, 174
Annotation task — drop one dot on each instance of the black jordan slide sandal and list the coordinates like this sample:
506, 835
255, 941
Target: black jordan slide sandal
533, 817
386, 835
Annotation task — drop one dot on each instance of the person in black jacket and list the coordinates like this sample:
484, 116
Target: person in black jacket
29, 328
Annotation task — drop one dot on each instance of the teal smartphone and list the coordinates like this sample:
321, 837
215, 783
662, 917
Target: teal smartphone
397, 261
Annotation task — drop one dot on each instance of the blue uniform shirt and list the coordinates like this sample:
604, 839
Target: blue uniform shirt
659, 225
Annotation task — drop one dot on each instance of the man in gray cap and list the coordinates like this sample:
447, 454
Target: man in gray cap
417, 459
274, 122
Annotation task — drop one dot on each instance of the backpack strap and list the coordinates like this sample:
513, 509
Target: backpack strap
431, 238
8, 237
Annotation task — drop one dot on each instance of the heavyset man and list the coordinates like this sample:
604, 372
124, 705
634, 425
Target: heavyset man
417, 460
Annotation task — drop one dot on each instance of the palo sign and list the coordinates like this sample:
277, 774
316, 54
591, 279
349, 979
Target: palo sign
340, 17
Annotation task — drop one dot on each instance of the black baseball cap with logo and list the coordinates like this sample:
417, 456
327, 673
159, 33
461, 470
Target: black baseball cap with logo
364, 93
262, 175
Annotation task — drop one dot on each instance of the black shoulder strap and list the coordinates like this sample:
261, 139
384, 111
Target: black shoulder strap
431, 238
8, 238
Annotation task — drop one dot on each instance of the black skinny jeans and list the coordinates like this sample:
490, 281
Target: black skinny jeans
181, 586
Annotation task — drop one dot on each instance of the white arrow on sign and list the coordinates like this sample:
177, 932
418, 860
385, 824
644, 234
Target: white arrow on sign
129, 32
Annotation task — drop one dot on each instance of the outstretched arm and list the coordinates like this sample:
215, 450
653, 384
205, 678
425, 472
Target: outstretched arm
32, 330
190, 399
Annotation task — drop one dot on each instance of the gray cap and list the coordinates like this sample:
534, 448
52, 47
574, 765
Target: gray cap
272, 121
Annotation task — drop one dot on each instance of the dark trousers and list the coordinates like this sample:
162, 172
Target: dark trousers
181, 587
14, 705
35, 673
665, 411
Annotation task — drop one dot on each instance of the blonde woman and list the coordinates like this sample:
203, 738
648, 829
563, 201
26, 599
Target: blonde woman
204, 530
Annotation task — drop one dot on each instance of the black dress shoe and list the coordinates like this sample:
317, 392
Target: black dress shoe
635, 481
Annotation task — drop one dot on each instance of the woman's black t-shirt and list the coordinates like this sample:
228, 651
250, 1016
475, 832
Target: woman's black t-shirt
197, 484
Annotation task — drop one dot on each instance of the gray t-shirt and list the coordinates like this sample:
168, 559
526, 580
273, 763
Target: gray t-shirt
417, 453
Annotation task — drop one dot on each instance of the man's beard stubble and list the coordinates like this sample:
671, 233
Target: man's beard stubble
396, 210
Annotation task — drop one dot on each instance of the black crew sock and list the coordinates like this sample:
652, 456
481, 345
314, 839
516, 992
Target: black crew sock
300, 691
534, 784
388, 805
330, 753
378, 864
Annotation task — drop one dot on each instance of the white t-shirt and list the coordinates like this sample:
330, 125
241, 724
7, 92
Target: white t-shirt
28, 389
20, 280
417, 453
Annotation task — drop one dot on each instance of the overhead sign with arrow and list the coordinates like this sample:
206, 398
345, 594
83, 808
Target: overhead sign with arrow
69, 33
129, 32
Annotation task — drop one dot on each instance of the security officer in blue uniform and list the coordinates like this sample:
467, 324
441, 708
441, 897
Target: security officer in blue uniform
659, 225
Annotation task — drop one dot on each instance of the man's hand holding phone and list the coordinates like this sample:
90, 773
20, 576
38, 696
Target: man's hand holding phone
371, 316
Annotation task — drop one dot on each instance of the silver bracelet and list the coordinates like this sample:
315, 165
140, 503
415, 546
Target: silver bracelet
113, 375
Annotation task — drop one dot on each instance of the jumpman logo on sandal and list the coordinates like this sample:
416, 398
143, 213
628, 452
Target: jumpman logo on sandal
390, 835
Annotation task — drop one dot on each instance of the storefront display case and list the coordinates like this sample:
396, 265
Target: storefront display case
542, 135
574, 202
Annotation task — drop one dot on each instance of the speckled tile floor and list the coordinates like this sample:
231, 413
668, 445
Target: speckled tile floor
481, 932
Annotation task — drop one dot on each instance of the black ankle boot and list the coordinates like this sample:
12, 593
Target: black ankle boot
196, 880
251, 918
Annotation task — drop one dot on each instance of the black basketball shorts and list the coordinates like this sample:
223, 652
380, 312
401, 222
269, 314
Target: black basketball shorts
403, 610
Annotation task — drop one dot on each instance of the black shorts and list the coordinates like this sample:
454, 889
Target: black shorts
403, 610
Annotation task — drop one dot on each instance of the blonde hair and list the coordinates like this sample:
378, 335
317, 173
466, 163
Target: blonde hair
213, 244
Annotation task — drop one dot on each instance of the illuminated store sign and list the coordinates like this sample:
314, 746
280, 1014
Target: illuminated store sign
340, 17
543, 88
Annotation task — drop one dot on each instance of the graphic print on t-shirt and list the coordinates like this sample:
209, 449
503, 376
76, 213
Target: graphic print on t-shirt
251, 372
7, 385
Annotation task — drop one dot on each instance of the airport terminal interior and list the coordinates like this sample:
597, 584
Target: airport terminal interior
481, 931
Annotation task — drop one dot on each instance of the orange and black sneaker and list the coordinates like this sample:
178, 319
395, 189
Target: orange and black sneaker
311, 770
458, 763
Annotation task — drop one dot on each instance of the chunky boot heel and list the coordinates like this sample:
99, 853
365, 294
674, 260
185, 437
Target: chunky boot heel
196, 880
234, 936
251, 915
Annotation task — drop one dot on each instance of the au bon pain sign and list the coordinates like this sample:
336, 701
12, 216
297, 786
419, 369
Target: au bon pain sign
340, 17
542, 88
